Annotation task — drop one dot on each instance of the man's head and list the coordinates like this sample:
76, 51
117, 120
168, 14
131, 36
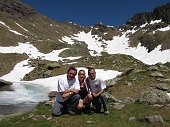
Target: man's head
71, 73
92, 73
81, 75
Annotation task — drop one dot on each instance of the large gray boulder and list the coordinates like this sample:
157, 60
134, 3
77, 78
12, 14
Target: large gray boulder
154, 97
152, 119
163, 87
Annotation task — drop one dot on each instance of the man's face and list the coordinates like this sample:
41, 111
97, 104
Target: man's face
71, 74
92, 74
81, 75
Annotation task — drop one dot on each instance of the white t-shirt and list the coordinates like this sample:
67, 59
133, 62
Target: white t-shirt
96, 85
65, 84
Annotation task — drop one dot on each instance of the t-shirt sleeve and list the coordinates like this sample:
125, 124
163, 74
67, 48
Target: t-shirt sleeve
103, 85
60, 87
77, 85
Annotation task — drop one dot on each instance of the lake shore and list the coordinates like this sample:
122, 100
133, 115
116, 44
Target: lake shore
9, 110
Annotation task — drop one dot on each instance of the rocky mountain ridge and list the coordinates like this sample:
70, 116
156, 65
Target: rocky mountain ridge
161, 12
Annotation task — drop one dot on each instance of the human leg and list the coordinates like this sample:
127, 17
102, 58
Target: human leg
56, 110
86, 104
97, 104
88, 99
73, 102
104, 102
80, 105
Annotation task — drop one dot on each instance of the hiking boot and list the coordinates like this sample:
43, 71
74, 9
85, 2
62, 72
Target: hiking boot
78, 112
71, 113
106, 112
89, 112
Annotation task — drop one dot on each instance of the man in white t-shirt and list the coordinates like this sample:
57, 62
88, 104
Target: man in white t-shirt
97, 87
67, 93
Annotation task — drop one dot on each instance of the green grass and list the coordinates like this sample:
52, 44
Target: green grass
116, 118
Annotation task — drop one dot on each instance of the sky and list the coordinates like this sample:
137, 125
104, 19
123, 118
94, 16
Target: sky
89, 12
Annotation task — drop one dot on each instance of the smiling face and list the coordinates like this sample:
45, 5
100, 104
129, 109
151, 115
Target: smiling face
92, 74
81, 75
71, 74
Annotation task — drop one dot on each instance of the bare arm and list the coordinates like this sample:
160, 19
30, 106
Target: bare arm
69, 92
88, 86
97, 94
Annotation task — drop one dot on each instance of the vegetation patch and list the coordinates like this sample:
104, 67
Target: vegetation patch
8, 61
41, 117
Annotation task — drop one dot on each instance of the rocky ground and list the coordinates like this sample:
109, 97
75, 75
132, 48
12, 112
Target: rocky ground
15, 109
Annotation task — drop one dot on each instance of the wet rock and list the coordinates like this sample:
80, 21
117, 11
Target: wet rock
3, 83
52, 94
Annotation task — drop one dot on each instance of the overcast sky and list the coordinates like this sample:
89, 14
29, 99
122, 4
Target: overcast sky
88, 12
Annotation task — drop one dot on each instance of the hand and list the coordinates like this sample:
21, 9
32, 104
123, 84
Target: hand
95, 94
74, 90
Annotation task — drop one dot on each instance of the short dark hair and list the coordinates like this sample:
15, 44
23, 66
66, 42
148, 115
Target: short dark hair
72, 68
82, 70
90, 68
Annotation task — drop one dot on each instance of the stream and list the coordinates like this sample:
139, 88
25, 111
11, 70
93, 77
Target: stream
23, 97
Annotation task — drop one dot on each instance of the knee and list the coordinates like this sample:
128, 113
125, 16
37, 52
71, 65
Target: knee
90, 97
80, 105
56, 113
76, 96
103, 95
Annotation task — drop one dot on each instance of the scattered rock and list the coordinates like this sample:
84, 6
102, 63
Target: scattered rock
89, 122
154, 97
47, 74
51, 66
1, 117
152, 119
111, 98
49, 118
4, 83
128, 100
132, 119
118, 106
52, 94
127, 72
129, 84
163, 80
157, 105
162, 86
157, 74
153, 68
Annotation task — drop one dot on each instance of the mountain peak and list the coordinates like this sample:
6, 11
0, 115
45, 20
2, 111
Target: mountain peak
159, 13
15, 7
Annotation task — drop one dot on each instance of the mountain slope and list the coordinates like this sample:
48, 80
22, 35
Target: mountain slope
161, 12
147, 41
